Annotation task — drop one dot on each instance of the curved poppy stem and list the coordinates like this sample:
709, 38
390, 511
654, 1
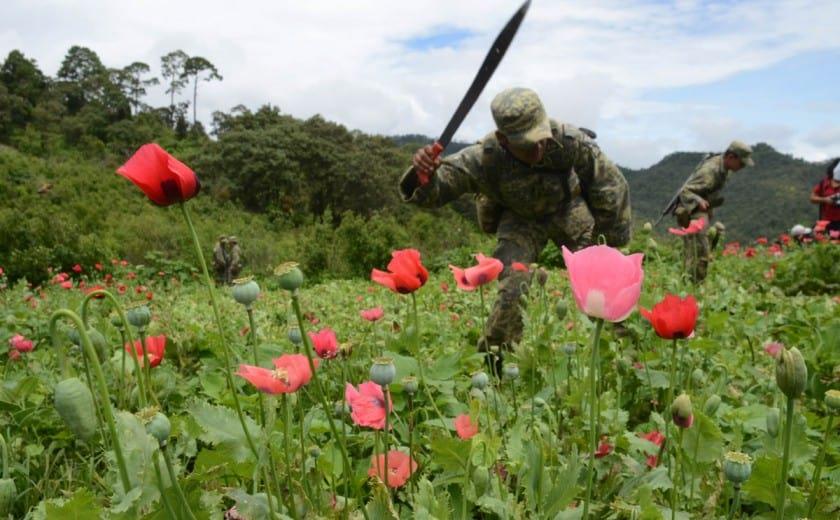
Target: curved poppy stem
252, 336
287, 419
812, 500
174, 478
105, 397
218, 317
593, 419
780, 504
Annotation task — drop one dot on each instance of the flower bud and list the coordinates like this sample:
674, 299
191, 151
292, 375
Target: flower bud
542, 276
139, 316
682, 412
539, 403
711, 405
291, 277
340, 408
737, 466
652, 244
410, 385
570, 348
712, 232
647, 227
245, 291
480, 380
314, 452
294, 335
116, 321
383, 371
832, 400
772, 420
561, 308
477, 394
159, 427
791, 373
481, 479
698, 376
511, 371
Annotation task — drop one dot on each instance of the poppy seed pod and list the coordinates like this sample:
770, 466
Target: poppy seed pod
409, 385
652, 244
772, 422
245, 291
314, 452
139, 316
294, 335
116, 321
291, 277
159, 427
832, 400
711, 405
647, 227
561, 308
383, 371
681, 411
712, 232
570, 348
542, 277
791, 373
511, 371
737, 467
698, 376
480, 380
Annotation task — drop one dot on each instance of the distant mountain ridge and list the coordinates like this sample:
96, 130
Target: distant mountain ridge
762, 201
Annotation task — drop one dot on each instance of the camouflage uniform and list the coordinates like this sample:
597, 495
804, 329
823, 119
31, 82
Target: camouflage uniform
528, 205
220, 259
705, 183
234, 260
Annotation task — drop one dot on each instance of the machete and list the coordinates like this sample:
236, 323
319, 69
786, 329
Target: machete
491, 61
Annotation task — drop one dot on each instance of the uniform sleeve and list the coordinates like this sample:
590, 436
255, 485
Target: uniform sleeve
458, 174
698, 186
608, 196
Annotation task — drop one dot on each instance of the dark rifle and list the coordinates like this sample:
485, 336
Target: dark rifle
672, 205
488, 66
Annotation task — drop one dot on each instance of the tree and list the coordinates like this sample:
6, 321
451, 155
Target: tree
132, 80
22, 77
195, 67
81, 77
172, 70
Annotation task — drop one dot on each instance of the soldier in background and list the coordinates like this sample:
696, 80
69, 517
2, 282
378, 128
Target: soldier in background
220, 259
535, 180
699, 195
234, 260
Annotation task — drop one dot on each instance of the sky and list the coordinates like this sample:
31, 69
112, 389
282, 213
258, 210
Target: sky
649, 76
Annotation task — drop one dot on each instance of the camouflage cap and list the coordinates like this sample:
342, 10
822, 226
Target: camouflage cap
520, 115
743, 151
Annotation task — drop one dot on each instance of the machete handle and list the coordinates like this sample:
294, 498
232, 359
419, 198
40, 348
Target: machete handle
422, 177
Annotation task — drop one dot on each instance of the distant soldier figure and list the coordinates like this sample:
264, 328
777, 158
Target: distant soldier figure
699, 195
535, 180
234, 260
220, 259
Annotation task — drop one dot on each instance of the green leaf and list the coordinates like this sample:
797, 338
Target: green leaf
703, 442
429, 505
446, 367
450, 453
253, 507
221, 427
139, 450
82, 506
649, 511
658, 379
380, 506
763, 482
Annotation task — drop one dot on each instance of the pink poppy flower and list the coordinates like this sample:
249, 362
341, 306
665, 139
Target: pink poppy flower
464, 426
97, 266
325, 343
694, 227
162, 177
487, 270
606, 284
400, 468
21, 344
762, 241
374, 314
773, 348
291, 371
77, 268
155, 347
67, 285
122, 289
14, 355
519, 266
367, 404
444, 287
604, 448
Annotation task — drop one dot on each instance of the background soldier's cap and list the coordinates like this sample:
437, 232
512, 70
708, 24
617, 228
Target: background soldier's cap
520, 115
233, 239
742, 150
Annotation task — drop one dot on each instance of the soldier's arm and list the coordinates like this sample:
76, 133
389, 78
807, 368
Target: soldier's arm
457, 174
698, 186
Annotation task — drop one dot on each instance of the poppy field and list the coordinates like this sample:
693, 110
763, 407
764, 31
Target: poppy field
634, 394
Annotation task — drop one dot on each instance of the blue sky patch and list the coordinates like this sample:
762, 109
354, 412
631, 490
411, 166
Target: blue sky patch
438, 38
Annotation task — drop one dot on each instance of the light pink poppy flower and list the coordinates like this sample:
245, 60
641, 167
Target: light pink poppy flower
606, 284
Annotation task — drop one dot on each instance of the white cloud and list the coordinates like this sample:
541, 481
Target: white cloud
592, 62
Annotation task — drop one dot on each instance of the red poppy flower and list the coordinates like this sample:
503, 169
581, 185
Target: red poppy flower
465, 428
673, 317
122, 289
694, 227
487, 270
604, 448
444, 287
163, 178
21, 344
367, 404
155, 347
374, 314
97, 266
406, 272
657, 438
96, 287
291, 371
14, 355
519, 266
762, 241
400, 468
77, 268
325, 343
67, 285
749, 252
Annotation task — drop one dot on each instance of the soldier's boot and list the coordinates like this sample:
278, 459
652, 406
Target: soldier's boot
683, 216
504, 325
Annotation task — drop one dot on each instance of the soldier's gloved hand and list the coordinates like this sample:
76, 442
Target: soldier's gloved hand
426, 160
703, 204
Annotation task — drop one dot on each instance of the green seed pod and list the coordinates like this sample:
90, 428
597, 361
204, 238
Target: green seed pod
139, 316
74, 404
481, 480
772, 420
245, 291
294, 335
511, 371
712, 232
383, 371
480, 379
8, 492
711, 405
791, 373
100, 344
409, 385
652, 244
737, 466
159, 427
539, 404
116, 320
570, 348
291, 277
561, 308
314, 452
832, 399
698, 377
647, 227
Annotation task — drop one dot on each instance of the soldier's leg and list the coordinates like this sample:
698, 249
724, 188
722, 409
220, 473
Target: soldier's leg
703, 252
519, 241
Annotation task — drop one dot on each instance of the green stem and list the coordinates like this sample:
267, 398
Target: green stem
674, 497
694, 463
593, 419
169, 511
147, 367
466, 482
416, 353
105, 398
780, 504
5, 452
174, 478
667, 405
252, 337
812, 501
410, 442
736, 505
386, 439
225, 347
287, 454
